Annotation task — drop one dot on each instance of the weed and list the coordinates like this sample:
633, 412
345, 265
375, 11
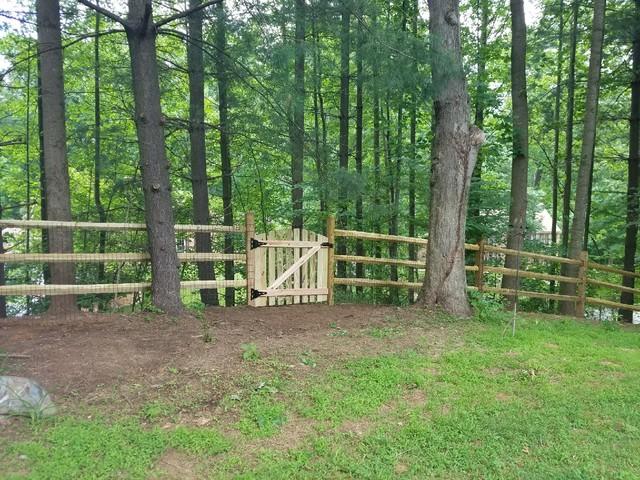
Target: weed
306, 358
250, 352
384, 332
157, 409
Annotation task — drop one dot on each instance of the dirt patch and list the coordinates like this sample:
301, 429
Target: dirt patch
173, 465
126, 360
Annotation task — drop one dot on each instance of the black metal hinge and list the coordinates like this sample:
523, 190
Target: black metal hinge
257, 293
327, 244
256, 243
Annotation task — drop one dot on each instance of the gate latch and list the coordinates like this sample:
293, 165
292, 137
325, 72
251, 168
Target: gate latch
256, 243
257, 293
327, 244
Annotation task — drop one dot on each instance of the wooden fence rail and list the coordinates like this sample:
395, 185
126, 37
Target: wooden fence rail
582, 281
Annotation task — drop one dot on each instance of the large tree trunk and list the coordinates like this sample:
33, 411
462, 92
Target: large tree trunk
225, 145
296, 127
520, 165
198, 150
633, 206
455, 150
57, 192
586, 156
97, 142
343, 152
141, 36
568, 156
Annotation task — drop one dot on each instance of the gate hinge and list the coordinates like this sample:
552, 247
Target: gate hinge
257, 293
327, 244
256, 243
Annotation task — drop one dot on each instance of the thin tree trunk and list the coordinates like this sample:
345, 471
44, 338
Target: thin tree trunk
225, 145
377, 184
520, 165
198, 150
27, 164
413, 124
586, 156
97, 143
3, 299
455, 150
141, 36
46, 273
633, 169
481, 93
296, 127
556, 138
358, 147
568, 157
319, 148
343, 153
57, 192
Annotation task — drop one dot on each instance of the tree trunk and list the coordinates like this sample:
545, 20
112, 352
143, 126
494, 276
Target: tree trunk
358, 147
198, 150
633, 206
343, 153
225, 145
97, 143
141, 36
320, 146
296, 127
376, 145
568, 157
477, 232
455, 150
46, 274
520, 165
413, 124
586, 155
57, 192
3, 299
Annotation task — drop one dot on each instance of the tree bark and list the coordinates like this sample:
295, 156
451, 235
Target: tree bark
296, 126
520, 165
568, 157
320, 138
633, 169
225, 145
455, 150
198, 149
377, 184
586, 156
57, 191
343, 152
141, 36
46, 274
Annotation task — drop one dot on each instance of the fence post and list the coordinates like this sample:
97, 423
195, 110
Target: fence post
480, 265
331, 238
249, 233
582, 284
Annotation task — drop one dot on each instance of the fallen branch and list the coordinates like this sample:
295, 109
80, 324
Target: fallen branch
13, 355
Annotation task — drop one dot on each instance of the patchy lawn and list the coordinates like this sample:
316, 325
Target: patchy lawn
326, 392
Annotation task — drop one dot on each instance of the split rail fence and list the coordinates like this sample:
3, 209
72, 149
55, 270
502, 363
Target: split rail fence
311, 281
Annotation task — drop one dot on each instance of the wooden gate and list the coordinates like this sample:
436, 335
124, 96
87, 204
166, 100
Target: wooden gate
290, 267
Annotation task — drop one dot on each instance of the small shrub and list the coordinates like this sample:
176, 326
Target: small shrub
250, 352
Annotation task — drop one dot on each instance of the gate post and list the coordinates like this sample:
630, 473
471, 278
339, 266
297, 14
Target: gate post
331, 238
249, 233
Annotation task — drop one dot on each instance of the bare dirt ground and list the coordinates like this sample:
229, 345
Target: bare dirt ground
121, 362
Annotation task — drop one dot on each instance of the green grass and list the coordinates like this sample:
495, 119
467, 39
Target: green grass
557, 400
